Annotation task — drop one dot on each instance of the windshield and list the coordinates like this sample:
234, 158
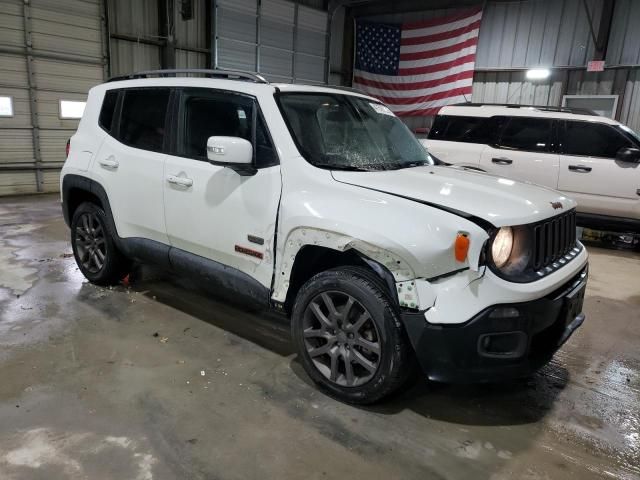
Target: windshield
345, 132
630, 132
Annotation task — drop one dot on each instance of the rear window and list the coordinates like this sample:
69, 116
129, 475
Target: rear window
142, 121
108, 110
455, 128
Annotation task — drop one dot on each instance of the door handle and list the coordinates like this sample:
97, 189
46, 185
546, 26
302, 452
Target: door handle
110, 162
579, 168
182, 181
502, 161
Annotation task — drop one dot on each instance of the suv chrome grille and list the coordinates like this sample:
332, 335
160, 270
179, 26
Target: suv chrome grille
554, 240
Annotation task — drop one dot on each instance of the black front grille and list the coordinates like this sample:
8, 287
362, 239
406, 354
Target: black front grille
553, 239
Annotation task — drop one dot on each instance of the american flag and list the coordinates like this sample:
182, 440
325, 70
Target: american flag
416, 68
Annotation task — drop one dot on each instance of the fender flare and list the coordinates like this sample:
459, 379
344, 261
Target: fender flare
79, 182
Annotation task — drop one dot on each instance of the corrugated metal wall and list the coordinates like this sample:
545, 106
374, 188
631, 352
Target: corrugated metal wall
536, 32
285, 41
624, 43
50, 50
556, 34
137, 35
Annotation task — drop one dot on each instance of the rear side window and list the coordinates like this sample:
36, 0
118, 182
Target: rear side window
108, 110
592, 139
454, 128
142, 121
528, 134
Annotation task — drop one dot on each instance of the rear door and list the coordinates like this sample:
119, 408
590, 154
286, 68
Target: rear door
459, 140
210, 210
129, 163
524, 151
590, 173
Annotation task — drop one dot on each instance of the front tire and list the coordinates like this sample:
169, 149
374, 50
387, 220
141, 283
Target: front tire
95, 252
349, 336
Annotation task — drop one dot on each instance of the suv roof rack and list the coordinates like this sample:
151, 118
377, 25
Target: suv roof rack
543, 108
184, 72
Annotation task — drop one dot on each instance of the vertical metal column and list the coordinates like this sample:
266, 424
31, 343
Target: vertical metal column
33, 101
214, 33
295, 42
258, 36
106, 41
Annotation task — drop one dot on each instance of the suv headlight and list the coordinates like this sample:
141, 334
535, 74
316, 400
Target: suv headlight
502, 246
510, 251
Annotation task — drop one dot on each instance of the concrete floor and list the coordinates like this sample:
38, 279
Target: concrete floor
162, 381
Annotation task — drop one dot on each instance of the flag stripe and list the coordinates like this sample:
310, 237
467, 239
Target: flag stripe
439, 44
438, 52
404, 110
440, 36
392, 81
361, 81
402, 97
425, 98
438, 66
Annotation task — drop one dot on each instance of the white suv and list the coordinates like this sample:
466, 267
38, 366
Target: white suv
594, 159
321, 203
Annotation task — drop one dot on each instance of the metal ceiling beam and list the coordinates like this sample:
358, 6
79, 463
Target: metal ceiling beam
380, 7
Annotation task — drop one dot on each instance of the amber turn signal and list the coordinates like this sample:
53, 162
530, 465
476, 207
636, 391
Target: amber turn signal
462, 247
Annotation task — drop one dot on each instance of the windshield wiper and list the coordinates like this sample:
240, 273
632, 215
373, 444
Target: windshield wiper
350, 168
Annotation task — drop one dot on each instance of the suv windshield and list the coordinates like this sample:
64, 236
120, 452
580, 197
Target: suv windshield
345, 132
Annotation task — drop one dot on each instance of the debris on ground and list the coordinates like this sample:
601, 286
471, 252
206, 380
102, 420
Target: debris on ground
66, 255
164, 339
156, 334
202, 373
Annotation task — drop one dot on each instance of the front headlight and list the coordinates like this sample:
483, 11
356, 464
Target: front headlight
502, 246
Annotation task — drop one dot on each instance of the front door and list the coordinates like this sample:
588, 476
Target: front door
210, 210
590, 172
524, 152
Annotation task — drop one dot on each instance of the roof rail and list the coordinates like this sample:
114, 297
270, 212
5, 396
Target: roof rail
544, 108
218, 73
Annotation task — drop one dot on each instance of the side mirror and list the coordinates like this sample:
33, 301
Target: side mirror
628, 154
233, 152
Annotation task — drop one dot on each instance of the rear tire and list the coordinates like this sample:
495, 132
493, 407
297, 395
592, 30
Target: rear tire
349, 336
95, 252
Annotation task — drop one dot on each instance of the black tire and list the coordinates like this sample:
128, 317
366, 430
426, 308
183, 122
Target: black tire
95, 252
384, 333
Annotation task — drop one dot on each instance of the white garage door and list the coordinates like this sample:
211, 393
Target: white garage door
50, 51
282, 40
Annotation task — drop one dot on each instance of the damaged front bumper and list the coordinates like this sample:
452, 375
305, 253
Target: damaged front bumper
503, 341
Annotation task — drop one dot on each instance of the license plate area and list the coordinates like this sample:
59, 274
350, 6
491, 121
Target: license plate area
573, 316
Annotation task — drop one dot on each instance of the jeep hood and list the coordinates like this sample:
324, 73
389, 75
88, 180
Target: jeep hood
491, 199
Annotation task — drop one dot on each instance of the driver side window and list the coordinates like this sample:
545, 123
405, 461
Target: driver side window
206, 113
592, 139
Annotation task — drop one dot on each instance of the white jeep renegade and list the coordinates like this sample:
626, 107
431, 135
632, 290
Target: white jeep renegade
594, 159
322, 204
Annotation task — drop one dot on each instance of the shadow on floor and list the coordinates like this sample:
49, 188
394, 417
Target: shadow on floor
501, 404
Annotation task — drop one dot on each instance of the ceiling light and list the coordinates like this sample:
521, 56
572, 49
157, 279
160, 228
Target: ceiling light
538, 73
